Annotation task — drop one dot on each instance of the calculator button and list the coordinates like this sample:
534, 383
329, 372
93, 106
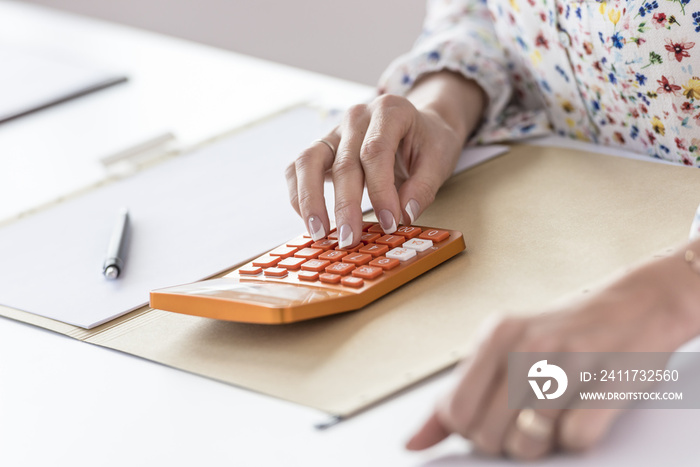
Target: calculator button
357, 258
402, 254
333, 235
301, 242
368, 272
418, 244
370, 237
374, 250
332, 255
308, 253
316, 265
325, 245
392, 240
385, 263
275, 272
250, 270
266, 261
366, 226
342, 269
291, 263
352, 282
376, 228
435, 235
408, 232
351, 249
308, 275
283, 251
329, 278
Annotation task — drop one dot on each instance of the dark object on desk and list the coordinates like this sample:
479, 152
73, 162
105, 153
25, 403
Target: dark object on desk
32, 81
114, 263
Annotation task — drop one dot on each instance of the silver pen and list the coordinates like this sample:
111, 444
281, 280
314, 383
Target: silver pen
114, 263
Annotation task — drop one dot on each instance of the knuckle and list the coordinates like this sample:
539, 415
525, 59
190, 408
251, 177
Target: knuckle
294, 201
388, 101
343, 207
381, 193
344, 166
304, 161
356, 112
373, 148
305, 200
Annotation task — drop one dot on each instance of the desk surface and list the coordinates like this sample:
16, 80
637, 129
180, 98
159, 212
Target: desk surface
64, 402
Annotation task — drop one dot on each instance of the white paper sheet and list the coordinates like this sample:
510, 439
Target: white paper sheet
193, 216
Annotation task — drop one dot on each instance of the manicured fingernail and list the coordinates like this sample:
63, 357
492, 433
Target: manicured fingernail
316, 228
346, 236
387, 221
412, 209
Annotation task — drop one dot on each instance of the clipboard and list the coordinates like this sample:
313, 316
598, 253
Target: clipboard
34, 80
539, 223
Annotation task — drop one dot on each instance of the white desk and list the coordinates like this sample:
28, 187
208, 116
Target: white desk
64, 402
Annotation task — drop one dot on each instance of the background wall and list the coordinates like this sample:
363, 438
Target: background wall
354, 40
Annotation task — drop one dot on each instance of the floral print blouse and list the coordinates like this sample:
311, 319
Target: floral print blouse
618, 73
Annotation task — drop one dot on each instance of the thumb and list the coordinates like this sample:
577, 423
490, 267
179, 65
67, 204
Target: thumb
416, 194
426, 175
431, 433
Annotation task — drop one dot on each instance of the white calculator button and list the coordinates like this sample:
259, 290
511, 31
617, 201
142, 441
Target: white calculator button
402, 254
418, 244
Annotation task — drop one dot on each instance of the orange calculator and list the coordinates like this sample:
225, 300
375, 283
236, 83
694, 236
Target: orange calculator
304, 279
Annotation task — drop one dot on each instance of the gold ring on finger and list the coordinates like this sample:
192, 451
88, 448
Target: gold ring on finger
327, 143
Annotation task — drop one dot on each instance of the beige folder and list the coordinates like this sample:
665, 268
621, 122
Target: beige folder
539, 223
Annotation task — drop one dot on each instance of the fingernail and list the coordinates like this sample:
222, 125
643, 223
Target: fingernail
410, 444
316, 228
346, 236
387, 221
412, 209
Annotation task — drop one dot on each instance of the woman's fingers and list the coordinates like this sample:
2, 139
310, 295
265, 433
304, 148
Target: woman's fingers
305, 181
367, 143
470, 397
392, 118
489, 431
532, 434
419, 190
425, 167
348, 176
291, 176
431, 433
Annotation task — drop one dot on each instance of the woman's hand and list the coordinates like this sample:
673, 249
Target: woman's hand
652, 309
403, 149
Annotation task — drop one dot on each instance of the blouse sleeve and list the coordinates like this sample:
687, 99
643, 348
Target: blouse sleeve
458, 35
